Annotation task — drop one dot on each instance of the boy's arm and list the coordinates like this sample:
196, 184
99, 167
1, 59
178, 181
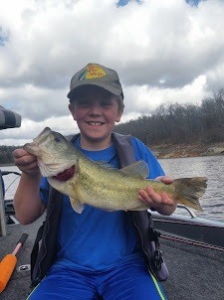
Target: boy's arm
27, 202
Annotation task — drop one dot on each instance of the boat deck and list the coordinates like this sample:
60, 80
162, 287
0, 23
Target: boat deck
18, 287
195, 272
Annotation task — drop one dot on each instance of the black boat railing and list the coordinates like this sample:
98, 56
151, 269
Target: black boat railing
190, 211
7, 211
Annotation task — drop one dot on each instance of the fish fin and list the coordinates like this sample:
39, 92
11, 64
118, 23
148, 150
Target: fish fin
76, 205
139, 169
104, 164
189, 190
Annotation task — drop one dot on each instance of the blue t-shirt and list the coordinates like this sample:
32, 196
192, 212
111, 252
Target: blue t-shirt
96, 239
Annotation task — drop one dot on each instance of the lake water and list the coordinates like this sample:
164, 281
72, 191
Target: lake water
210, 166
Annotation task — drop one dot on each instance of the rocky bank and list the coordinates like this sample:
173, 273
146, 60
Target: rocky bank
186, 150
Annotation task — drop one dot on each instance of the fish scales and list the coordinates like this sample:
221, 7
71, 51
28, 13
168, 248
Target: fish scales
97, 184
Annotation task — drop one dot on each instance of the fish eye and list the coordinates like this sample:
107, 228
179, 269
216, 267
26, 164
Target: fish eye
57, 139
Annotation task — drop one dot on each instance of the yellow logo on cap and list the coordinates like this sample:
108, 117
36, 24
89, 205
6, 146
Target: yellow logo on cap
94, 71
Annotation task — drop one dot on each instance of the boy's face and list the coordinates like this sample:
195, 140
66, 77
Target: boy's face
95, 111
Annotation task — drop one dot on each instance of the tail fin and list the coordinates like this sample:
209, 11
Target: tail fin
189, 190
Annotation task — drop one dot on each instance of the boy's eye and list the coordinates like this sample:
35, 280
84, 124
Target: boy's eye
88, 101
106, 103
84, 101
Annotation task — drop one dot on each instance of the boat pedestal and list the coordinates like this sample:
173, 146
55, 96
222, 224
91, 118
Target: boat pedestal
2, 211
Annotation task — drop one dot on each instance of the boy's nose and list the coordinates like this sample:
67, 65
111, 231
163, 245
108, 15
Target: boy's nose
95, 109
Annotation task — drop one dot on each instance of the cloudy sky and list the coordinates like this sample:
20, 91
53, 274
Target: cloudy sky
164, 52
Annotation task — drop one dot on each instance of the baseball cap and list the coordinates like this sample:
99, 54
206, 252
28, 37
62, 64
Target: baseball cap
96, 74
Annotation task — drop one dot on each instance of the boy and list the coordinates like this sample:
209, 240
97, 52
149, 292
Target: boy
98, 253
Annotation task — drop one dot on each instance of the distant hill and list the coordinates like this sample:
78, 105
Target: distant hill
6, 157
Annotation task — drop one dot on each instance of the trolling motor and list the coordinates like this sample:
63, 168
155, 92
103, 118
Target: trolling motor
9, 119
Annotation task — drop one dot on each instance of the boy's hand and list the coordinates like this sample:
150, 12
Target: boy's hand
26, 162
160, 202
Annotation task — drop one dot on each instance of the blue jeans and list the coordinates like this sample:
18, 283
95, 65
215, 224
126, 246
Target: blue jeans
129, 282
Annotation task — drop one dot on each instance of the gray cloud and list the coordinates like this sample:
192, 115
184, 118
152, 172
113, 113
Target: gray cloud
164, 51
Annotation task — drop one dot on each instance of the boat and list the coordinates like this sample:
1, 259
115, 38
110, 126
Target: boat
193, 249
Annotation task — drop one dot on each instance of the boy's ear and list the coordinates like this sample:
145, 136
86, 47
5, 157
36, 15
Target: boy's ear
119, 115
72, 110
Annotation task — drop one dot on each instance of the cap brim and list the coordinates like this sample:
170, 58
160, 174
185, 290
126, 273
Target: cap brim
114, 90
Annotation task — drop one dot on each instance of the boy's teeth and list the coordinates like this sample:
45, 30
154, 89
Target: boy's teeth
95, 123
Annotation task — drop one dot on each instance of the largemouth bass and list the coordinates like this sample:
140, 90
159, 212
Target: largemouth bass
87, 182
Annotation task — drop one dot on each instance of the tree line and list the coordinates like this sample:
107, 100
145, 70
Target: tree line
179, 124
6, 157
170, 123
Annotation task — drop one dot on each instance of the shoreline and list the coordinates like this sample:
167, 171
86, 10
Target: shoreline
164, 151
7, 165
167, 150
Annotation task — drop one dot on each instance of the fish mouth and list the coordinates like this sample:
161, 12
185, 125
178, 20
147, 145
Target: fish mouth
33, 147
66, 174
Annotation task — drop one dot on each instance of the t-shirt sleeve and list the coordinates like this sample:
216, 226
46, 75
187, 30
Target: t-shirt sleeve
142, 152
44, 190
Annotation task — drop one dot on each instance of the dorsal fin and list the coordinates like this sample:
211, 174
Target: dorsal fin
104, 164
139, 169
